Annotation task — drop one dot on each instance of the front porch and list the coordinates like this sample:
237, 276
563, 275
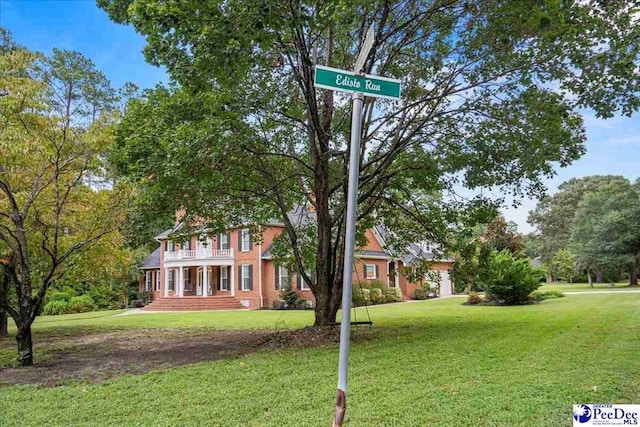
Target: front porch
198, 281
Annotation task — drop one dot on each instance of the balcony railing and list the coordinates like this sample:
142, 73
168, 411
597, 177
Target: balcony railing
198, 254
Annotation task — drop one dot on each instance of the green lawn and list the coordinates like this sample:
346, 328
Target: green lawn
582, 287
433, 363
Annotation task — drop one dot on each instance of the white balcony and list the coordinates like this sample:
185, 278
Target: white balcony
224, 254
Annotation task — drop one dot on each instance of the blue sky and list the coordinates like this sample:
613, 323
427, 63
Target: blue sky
613, 145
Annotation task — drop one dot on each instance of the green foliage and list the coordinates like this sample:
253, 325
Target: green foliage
543, 295
59, 296
53, 308
361, 296
554, 216
501, 235
377, 296
509, 280
606, 229
420, 294
474, 298
244, 101
288, 295
81, 304
563, 265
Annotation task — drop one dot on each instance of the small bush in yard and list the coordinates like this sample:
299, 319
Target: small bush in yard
361, 296
474, 298
543, 295
54, 308
377, 297
81, 304
389, 295
420, 293
510, 281
59, 296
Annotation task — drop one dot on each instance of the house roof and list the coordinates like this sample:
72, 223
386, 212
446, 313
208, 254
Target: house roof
372, 254
152, 261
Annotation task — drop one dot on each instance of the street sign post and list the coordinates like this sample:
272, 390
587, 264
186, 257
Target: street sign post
359, 85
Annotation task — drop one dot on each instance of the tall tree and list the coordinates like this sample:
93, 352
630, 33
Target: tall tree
56, 122
607, 227
500, 235
554, 215
245, 136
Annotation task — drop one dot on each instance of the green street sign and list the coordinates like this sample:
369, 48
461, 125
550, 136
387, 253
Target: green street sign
334, 79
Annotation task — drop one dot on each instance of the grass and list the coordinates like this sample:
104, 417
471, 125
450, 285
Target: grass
582, 287
433, 363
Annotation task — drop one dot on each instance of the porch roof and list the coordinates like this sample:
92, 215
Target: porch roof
152, 261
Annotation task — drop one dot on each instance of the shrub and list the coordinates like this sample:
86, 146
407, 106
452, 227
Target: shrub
54, 308
509, 280
398, 293
390, 294
420, 293
81, 304
302, 304
280, 305
474, 298
288, 295
542, 295
137, 303
361, 296
377, 297
59, 296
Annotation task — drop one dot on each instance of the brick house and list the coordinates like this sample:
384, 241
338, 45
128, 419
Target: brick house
228, 270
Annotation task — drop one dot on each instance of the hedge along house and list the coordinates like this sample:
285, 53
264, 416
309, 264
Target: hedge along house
230, 271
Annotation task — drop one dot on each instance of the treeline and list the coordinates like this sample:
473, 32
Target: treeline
589, 230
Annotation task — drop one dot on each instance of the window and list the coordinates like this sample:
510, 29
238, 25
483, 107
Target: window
186, 245
188, 284
245, 276
283, 278
172, 280
245, 240
224, 241
147, 281
157, 280
224, 279
171, 246
370, 271
301, 284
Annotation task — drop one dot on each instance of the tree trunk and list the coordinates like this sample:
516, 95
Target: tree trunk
599, 276
4, 324
25, 346
590, 279
326, 308
633, 276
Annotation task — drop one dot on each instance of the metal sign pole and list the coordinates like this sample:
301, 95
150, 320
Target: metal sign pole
349, 241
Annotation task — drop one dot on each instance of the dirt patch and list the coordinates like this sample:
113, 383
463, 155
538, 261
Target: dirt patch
97, 356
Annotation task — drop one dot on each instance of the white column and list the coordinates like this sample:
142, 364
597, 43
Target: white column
232, 279
181, 282
396, 272
166, 282
205, 281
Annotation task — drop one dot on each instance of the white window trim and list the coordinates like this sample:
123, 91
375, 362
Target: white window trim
246, 279
303, 285
158, 281
245, 240
374, 276
171, 281
147, 281
224, 276
280, 275
171, 246
224, 240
